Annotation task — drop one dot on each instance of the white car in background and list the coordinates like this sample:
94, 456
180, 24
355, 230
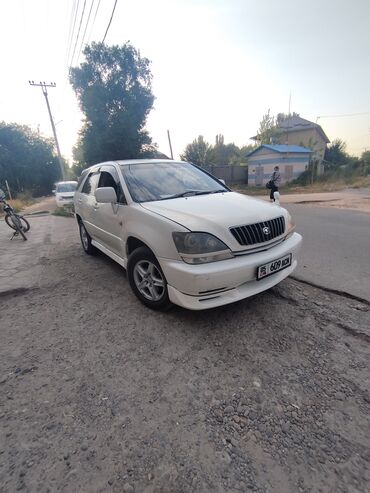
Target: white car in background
183, 235
64, 192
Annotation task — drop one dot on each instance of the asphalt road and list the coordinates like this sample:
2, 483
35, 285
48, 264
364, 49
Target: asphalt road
336, 248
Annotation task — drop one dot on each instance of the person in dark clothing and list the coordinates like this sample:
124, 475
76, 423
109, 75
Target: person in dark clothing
275, 182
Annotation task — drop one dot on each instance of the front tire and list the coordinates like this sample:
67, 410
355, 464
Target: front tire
17, 225
147, 280
20, 231
86, 240
24, 223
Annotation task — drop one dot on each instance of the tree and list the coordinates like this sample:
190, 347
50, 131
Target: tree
198, 152
282, 117
241, 157
268, 130
113, 87
336, 155
365, 159
245, 150
221, 154
27, 160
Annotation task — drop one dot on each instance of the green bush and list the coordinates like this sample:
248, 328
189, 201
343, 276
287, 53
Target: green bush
64, 211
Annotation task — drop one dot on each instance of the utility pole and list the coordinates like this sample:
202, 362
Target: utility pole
44, 87
169, 141
287, 133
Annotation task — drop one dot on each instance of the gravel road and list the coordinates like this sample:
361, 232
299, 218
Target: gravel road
100, 394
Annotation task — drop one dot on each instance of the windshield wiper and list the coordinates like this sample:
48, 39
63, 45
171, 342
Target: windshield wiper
190, 193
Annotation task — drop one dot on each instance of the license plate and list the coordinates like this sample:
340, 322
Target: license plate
274, 266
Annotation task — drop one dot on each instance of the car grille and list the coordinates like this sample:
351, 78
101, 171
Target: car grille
251, 234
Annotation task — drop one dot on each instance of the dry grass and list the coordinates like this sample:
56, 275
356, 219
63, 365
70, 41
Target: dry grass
20, 203
317, 187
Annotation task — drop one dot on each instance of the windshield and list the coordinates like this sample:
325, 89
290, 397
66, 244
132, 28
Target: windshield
66, 187
167, 180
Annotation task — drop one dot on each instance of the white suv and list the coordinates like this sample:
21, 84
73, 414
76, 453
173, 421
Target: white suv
183, 236
64, 192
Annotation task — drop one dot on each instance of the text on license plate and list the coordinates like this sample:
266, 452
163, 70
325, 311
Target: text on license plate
274, 266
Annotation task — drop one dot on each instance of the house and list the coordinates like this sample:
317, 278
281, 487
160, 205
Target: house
298, 131
295, 130
291, 159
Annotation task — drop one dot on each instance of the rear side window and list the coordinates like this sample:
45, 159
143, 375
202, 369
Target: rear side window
109, 178
81, 179
91, 184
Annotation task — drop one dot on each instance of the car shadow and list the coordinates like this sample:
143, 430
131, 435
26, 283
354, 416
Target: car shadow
232, 316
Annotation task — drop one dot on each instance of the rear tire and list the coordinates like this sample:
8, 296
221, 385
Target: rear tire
86, 240
147, 280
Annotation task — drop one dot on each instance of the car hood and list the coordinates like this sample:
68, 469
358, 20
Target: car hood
216, 213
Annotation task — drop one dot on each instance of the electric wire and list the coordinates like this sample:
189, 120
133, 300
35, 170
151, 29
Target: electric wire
72, 31
84, 34
72, 26
110, 21
345, 114
93, 23
78, 33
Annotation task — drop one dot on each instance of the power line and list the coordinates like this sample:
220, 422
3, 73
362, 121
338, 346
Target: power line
78, 33
84, 34
72, 25
343, 115
93, 23
110, 21
72, 31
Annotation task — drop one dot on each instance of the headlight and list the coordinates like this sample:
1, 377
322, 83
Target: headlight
291, 226
200, 248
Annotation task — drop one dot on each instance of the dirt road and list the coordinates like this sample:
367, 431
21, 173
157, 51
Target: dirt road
100, 394
350, 198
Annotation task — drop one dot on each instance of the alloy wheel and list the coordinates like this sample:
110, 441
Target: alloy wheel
149, 280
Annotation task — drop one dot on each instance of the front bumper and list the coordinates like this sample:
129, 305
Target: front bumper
62, 202
198, 287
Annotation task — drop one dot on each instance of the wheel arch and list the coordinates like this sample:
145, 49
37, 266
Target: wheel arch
132, 243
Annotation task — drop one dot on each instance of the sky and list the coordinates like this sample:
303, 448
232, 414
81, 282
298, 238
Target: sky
217, 65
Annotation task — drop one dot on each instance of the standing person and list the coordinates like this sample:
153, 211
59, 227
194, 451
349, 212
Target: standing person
275, 182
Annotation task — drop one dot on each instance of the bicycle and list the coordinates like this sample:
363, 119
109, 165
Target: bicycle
14, 220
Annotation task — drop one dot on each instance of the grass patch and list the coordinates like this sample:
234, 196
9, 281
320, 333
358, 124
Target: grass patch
64, 212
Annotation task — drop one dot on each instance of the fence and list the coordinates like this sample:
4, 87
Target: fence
231, 174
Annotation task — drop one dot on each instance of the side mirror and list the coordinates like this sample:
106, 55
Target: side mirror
222, 181
105, 195
53, 191
277, 198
